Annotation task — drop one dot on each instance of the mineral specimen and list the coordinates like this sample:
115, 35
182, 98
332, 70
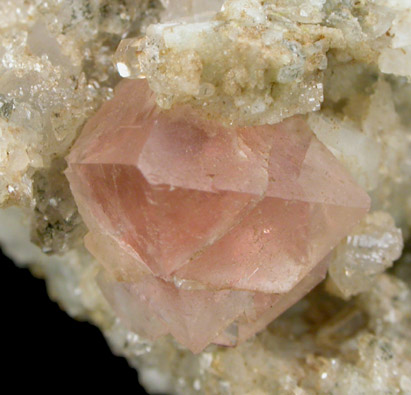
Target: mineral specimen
223, 217
342, 65
259, 62
370, 249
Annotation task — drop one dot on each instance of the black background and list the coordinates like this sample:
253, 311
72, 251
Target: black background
44, 349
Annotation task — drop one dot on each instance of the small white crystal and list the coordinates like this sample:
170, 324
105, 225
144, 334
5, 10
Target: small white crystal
367, 252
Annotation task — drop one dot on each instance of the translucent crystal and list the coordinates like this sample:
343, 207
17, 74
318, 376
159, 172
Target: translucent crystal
57, 225
189, 10
201, 212
55, 71
369, 250
126, 58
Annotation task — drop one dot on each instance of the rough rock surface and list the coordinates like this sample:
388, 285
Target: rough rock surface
259, 62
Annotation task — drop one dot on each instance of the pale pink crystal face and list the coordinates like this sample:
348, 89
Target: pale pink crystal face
206, 232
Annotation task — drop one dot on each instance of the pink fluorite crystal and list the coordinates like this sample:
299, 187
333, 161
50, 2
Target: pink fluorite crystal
206, 232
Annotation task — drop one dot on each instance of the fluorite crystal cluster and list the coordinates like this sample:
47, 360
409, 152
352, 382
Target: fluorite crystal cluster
216, 191
207, 232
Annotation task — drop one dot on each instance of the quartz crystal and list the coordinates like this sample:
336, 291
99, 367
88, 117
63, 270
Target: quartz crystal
370, 249
203, 225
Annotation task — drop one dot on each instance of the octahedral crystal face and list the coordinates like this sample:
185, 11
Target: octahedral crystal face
206, 232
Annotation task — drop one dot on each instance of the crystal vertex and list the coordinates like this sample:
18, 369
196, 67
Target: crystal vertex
206, 232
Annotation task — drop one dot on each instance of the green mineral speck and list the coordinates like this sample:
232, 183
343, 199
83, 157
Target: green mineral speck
6, 107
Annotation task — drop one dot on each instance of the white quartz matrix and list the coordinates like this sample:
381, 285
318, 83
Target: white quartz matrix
345, 65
